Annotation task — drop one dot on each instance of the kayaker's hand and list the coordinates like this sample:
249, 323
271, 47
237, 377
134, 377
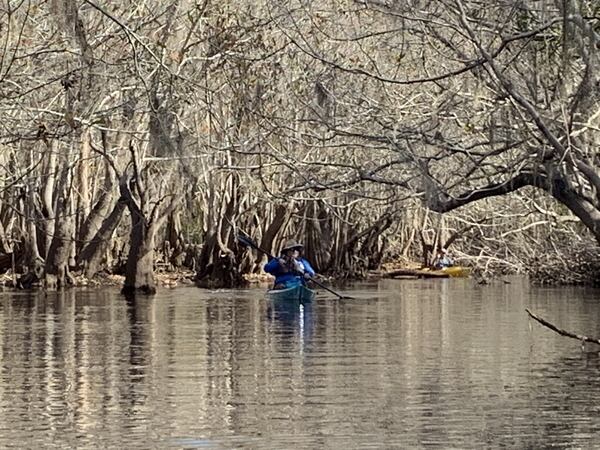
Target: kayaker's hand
284, 265
307, 276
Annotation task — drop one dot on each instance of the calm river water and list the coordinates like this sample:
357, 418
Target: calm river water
406, 364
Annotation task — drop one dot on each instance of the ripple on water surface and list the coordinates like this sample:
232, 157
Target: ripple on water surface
406, 364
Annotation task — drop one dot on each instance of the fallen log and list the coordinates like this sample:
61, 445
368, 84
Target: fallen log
579, 337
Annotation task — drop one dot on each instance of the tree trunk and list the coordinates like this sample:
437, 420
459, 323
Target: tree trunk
62, 236
139, 269
57, 274
174, 241
31, 258
94, 220
282, 215
48, 209
91, 255
83, 179
319, 238
219, 267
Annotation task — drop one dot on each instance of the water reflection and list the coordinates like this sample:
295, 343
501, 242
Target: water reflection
408, 364
291, 316
292, 324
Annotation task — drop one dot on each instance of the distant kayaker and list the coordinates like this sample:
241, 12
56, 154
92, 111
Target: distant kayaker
442, 259
290, 269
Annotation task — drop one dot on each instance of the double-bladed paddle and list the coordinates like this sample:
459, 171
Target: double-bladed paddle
246, 241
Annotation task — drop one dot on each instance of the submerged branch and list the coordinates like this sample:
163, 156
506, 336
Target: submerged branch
562, 332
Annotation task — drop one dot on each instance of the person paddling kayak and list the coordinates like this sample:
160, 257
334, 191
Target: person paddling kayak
290, 269
442, 260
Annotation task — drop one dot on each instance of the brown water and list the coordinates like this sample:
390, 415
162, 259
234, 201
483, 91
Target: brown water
407, 364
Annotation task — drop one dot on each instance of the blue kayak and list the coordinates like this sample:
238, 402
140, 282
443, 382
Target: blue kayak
297, 294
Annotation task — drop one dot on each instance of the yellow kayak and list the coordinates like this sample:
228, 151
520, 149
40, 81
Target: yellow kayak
455, 271
447, 272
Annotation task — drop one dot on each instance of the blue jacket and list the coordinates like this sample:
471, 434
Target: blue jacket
288, 278
442, 262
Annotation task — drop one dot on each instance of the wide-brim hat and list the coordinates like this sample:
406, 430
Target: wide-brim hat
291, 244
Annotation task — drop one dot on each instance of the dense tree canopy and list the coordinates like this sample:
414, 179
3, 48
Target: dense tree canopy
348, 124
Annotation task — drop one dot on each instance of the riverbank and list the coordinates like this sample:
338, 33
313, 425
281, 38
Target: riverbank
163, 279
546, 271
166, 279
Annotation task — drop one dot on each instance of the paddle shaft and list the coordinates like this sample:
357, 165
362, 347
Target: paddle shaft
329, 290
252, 244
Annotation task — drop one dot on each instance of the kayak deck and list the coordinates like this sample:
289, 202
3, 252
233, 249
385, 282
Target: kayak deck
298, 294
